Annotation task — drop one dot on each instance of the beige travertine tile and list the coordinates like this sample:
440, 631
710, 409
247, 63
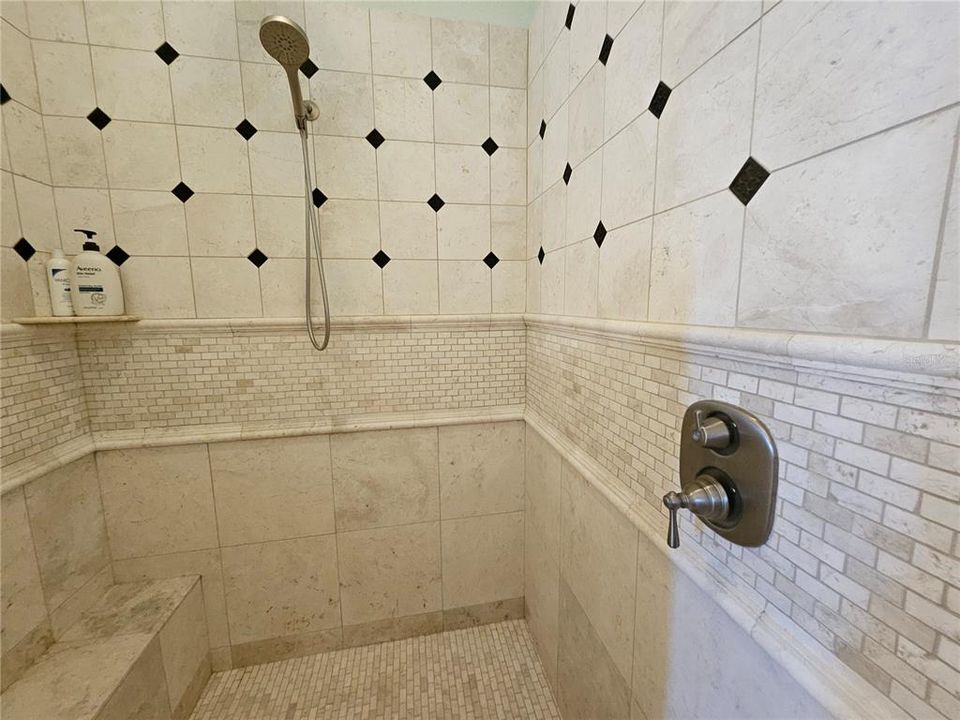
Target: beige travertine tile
389, 572
481, 469
15, 661
66, 518
588, 681
281, 648
482, 559
143, 692
70, 610
157, 500
281, 588
386, 477
598, 561
483, 614
379, 631
272, 489
22, 596
184, 646
205, 563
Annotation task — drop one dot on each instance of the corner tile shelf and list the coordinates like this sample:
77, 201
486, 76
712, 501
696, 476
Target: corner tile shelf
75, 319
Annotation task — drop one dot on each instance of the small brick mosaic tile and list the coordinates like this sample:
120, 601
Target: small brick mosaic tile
491, 671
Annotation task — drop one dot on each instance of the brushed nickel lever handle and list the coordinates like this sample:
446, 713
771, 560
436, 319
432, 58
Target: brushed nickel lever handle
714, 433
707, 498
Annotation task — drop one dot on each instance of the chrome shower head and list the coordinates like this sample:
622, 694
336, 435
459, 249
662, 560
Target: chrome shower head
286, 42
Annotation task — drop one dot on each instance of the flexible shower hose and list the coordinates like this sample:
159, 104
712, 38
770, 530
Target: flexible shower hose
312, 229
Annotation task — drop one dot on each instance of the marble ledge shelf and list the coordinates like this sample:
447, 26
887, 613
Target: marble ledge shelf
74, 319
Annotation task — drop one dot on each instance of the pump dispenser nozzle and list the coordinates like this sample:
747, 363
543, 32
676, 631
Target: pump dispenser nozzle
88, 244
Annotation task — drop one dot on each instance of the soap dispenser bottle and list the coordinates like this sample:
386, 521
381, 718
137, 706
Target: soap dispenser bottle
95, 282
58, 281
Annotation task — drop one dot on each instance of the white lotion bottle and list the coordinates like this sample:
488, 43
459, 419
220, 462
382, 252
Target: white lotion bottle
58, 280
95, 282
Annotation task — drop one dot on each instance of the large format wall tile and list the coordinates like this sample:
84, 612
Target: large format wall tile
946, 290
482, 559
598, 556
272, 489
282, 588
835, 72
624, 272
386, 477
20, 589
157, 500
633, 69
481, 469
845, 242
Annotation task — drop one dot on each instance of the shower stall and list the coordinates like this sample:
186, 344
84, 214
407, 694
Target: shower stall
638, 395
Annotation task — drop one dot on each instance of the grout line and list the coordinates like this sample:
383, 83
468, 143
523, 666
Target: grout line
219, 548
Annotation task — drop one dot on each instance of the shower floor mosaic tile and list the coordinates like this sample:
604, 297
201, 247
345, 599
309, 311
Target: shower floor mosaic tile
491, 671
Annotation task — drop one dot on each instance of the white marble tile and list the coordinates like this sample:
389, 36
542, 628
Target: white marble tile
346, 167
266, 96
19, 75
77, 153
624, 275
633, 69
629, 161
556, 146
508, 116
852, 234
481, 469
61, 21
409, 230
400, 43
23, 131
555, 217
580, 283
135, 84
220, 225
463, 232
226, 287
276, 164
136, 24
461, 113
508, 56
65, 79
705, 128
410, 287
461, 50
272, 489
38, 216
535, 112
158, 287
214, 159
355, 287
349, 229
618, 13
206, 92
464, 287
482, 559
80, 207
509, 286
533, 287
389, 572
148, 222
585, 116
140, 156
687, 283
386, 477
508, 172
201, 27
583, 198
832, 73
586, 38
556, 76
184, 648
944, 314
406, 171
280, 225
345, 101
508, 232
15, 13
282, 287
10, 218
339, 36
157, 500
281, 588
404, 108
463, 173
23, 606
695, 31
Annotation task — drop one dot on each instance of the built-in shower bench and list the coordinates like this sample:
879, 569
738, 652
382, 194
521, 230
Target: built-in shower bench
140, 652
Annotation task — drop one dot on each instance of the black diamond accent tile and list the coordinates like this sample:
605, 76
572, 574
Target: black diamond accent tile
432, 80
118, 255
489, 146
605, 49
182, 191
246, 129
375, 138
543, 128
751, 176
491, 260
436, 202
24, 249
541, 255
381, 259
570, 11
567, 172
257, 257
318, 197
99, 118
599, 234
308, 68
167, 53
4, 95
659, 101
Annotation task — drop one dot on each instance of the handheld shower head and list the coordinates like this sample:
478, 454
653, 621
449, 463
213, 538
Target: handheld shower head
286, 42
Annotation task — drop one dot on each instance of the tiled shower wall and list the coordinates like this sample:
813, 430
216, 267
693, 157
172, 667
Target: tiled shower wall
763, 165
166, 128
